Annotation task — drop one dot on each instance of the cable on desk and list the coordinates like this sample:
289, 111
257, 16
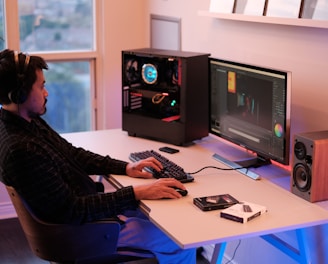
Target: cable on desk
218, 168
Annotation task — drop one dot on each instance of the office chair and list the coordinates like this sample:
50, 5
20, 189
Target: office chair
64, 243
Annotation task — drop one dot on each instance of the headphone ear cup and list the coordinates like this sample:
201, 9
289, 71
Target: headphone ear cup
18, 95
21, 97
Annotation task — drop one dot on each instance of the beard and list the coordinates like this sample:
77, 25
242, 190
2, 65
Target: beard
35, 114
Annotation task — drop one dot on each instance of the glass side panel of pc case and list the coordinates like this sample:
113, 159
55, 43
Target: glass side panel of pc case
152, 86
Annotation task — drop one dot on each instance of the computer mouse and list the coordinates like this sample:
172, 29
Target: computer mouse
182, 192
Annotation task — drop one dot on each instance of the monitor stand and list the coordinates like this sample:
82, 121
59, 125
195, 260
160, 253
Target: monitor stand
243, 166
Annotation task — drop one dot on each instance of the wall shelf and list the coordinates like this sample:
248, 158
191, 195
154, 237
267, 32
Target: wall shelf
302, 22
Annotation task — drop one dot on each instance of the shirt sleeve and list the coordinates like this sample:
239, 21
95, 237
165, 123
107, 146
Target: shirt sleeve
93, 163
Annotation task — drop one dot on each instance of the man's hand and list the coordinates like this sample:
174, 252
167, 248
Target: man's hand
136, 169
162, 188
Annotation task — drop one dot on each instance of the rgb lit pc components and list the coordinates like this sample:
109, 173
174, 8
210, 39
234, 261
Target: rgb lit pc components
149, 73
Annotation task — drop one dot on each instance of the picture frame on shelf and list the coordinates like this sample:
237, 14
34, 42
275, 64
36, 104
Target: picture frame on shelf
222, 6
284, 8
315, 9
250, 7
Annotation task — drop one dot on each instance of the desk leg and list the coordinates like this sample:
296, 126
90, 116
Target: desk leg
301, 255
218, 253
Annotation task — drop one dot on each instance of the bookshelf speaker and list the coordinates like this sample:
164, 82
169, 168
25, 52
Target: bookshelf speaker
310, 167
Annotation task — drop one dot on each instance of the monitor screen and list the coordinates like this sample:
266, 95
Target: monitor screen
250, 106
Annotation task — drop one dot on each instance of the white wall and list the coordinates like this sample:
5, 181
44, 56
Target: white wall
125, 27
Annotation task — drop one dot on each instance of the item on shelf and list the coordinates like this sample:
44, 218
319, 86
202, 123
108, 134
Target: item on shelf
315, 9
282, 8
250, 7
219, 6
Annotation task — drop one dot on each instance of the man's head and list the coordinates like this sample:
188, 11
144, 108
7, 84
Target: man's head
19, 76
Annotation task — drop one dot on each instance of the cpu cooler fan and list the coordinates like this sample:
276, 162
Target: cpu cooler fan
132, 72
149, 73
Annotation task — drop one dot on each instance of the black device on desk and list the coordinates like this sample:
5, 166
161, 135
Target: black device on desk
170, 169
215, 202
169, 150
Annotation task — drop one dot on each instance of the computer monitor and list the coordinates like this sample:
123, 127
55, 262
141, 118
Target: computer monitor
250, 106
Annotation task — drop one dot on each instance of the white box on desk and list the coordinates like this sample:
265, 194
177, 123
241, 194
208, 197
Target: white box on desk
237, 213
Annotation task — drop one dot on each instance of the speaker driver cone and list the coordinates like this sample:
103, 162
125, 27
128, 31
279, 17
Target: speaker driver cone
300, 150
302, 177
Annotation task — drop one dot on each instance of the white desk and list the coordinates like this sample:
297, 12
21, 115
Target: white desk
188, 226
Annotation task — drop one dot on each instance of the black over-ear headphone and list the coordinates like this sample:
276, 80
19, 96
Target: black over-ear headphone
19, 94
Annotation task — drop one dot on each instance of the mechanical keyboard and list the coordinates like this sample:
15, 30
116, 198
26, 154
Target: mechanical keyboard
170, 169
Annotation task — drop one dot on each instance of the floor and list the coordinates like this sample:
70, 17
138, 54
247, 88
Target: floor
15, 250
13, 245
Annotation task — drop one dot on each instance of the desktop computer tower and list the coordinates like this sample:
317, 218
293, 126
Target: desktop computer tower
165, 95
310, 167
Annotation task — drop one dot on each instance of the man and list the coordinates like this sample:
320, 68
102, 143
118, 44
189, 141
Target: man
53, 176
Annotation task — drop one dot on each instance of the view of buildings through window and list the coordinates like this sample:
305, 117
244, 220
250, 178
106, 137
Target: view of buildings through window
69, 100
59, 27
55, 25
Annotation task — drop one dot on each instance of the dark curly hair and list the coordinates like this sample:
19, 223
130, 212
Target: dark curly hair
17, 76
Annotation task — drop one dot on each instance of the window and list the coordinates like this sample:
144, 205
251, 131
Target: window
56, 25
62, 32
67, 85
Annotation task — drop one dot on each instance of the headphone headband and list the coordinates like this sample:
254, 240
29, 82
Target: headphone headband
26, 63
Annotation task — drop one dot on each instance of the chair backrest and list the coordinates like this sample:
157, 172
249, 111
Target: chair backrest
64, 242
